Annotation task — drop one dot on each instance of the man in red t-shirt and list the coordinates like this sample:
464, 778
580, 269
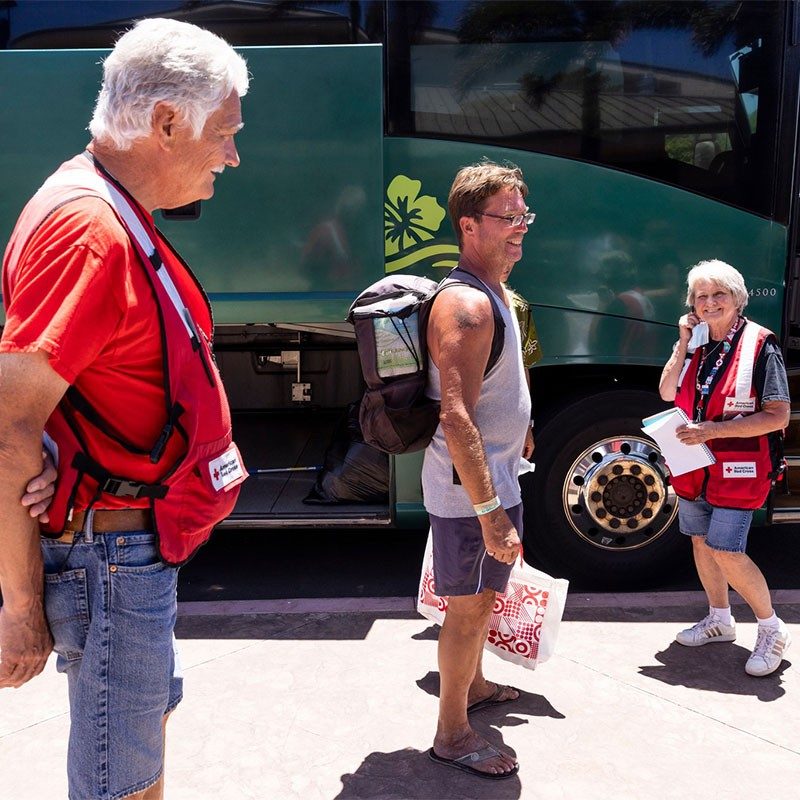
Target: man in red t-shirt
83, 323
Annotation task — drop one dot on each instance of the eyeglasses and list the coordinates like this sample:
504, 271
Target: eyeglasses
513, 222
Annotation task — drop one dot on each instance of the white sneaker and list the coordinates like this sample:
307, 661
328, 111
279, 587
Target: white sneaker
710, 629
771, 644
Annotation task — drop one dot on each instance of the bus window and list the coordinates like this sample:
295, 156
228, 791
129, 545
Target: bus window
651, 88
43, 24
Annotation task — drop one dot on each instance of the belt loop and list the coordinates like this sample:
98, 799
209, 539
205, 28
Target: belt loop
88, 524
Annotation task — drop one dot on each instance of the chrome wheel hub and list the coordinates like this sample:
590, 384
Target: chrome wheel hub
617, 494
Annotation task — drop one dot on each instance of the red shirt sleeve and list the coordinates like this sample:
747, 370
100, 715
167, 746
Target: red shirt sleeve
67, 290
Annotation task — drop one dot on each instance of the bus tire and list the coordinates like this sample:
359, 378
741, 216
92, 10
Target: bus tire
599, 507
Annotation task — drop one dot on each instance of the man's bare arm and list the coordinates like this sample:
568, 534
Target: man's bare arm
530, 445
460, 332
29, 391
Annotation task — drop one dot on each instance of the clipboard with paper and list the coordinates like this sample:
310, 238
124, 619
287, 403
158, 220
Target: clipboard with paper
680, 457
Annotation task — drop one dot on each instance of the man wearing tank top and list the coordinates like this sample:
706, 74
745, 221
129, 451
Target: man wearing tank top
470, 473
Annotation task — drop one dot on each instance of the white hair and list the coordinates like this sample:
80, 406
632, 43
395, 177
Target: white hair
163, 60
721, 274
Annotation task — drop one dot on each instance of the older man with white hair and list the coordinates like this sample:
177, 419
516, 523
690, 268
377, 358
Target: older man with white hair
107, 349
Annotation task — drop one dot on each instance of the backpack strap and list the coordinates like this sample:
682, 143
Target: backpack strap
461, 277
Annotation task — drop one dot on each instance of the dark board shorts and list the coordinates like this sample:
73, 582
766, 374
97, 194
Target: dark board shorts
461, 564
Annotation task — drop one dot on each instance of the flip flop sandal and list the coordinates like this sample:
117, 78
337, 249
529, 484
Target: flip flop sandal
494, 699
463, 763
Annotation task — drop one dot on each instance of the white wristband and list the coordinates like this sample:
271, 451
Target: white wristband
487, 507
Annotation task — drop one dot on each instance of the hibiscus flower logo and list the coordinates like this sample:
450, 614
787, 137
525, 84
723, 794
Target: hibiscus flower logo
410, 221
409, 218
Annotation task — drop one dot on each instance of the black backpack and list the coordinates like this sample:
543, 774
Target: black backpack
390, 319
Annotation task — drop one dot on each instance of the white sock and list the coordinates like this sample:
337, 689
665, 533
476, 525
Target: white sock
770, 622
722, 614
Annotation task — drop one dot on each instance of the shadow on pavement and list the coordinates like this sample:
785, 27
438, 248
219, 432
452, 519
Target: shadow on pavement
718, 668
410, 775
315, 625
689, 612
430, 634
534, 705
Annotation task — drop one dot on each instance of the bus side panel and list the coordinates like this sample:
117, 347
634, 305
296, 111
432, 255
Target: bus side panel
295, 232
605, 261
409, 512
47, 100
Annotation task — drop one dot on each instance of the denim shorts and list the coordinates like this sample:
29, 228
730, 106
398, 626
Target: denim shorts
111, 604
723, 528
461, 564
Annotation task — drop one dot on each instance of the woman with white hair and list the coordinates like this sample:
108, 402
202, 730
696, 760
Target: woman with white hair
732, 385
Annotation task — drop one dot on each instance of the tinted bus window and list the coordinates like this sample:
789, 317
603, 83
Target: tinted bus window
685, 93
44, 24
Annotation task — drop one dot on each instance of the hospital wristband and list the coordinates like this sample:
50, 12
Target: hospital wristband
487, 507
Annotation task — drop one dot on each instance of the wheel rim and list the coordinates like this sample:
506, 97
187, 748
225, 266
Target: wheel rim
617, 494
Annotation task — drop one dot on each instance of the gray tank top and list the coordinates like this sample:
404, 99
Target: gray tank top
502, 415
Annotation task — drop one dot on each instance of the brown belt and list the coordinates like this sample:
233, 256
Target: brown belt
109, 521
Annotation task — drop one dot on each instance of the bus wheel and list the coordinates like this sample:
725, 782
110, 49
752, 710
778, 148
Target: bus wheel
599, 507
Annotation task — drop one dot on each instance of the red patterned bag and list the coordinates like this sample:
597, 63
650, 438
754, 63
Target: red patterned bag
524, 624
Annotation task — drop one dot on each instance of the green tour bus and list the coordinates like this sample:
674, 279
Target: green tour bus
652, 135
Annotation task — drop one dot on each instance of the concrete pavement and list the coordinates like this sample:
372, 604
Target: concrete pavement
338, 699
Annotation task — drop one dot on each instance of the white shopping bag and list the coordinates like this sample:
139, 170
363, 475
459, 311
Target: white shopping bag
524, 624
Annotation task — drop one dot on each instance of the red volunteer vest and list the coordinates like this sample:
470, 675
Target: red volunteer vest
743, 473
190, 476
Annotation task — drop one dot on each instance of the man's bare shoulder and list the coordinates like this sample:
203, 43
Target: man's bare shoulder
463, 308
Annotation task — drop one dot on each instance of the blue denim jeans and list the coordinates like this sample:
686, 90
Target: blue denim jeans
111, 604
723, 528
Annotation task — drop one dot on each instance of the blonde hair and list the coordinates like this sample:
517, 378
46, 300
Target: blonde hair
720, 273
475, 184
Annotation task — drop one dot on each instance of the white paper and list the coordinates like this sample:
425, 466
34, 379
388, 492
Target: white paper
680, 457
